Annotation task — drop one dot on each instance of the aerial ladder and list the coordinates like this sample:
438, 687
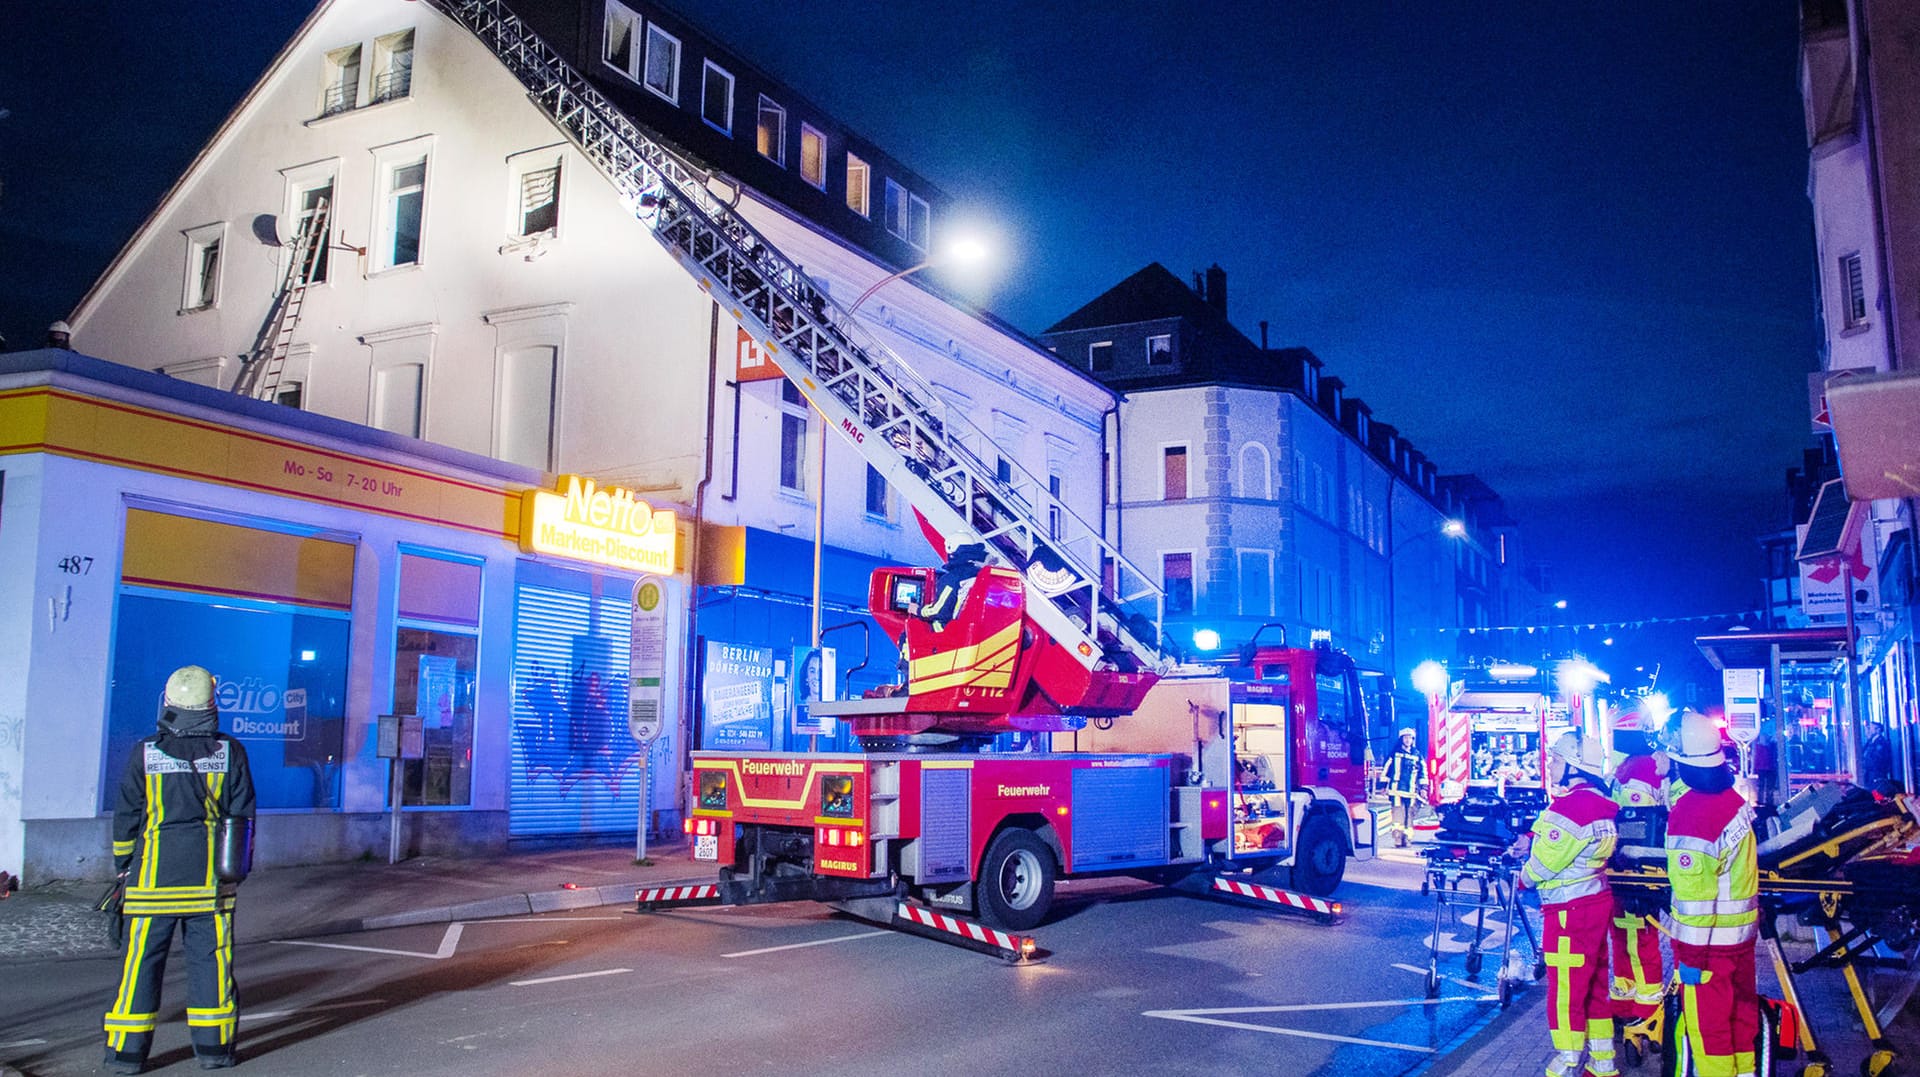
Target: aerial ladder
259, 375
1095, 601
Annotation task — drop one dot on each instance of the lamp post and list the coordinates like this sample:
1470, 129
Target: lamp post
1449, 528
961, 250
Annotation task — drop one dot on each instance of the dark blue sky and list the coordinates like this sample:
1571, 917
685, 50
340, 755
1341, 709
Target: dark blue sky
1570, 251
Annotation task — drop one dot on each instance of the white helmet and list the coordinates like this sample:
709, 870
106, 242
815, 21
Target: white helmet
1406, 731
189, 688
1696, 741
1580, 753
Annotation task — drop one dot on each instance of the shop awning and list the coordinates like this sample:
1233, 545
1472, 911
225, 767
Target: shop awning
1754, 650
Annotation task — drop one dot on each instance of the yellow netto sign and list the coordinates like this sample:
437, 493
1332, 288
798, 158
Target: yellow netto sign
606, 526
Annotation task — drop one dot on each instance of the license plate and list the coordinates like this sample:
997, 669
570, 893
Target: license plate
706, 847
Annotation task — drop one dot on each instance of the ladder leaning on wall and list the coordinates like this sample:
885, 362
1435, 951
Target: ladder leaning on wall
260, 373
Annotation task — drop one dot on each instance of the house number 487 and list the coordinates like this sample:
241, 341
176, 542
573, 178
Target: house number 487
76, 565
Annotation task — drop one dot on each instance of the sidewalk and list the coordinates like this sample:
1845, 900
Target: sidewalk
58, 921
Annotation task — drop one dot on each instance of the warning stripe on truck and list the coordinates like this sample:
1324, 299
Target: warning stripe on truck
1277, 896
1016, 946
656, 894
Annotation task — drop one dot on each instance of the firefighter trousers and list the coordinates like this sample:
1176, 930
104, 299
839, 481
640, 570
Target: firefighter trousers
1579, 1015
1638, 976
1720, 1007
212, 1011
1402, 817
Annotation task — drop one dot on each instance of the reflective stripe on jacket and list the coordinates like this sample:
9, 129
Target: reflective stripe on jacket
1572, 840
1636, 783
163, 825
1712, 864
1406, 772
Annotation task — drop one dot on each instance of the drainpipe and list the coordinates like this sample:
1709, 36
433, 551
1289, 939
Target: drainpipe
690, 698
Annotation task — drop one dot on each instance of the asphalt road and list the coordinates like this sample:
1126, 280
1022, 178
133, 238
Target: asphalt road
1137, 980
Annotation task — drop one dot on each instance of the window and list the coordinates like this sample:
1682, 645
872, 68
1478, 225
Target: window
771, 137
1159, 349
540, 201
662, 75
1854, 290
859, 177
310, 206
716, 98
1174, 473
340, 90
434, 664
202, 288
1053, 508
813, 156
392, 66
1255, 480
402, 210
1256, 582
527, 382
1003, 470
876, 493
1100, 355
621, 49
1176, 575
290, 394
793, 439
908, 215
396, 398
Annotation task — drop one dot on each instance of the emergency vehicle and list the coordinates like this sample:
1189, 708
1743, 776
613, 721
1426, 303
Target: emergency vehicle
1038, 625
1491, 729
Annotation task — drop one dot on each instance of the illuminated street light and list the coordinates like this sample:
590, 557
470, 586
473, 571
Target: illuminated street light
959, 251
1454, 529
1560, 604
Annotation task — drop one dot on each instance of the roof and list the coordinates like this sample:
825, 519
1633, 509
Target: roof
1753, 650
1149, 295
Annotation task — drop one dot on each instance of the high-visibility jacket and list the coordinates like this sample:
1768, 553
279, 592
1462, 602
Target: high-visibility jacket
1636, 783
1572, 840
1406, 772
164, 821
1712, 865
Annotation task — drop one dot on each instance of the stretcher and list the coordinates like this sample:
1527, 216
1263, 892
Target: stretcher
1471, 871
1845, 862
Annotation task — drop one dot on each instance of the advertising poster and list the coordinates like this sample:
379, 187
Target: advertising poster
814, 678
736, 697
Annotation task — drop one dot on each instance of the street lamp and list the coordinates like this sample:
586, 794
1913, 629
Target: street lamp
1449, 528
959, 250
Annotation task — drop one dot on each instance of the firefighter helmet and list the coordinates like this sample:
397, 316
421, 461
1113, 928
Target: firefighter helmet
1406, 731
189, 688
1696, 741
1580, 753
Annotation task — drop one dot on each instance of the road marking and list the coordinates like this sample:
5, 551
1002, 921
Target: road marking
1418, 971
322, 1008
804, 945
21, 1043
448, 943
575, 976
544, 919
1201, 1017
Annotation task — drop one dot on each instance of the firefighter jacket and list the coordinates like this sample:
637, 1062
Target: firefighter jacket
1572, 840
1405, 773
1636, 783
1712, 865
175, 790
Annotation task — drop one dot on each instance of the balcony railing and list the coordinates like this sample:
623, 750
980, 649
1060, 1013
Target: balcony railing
393, 83
339, 98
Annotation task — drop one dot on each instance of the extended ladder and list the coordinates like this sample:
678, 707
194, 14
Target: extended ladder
943, 465
260, 374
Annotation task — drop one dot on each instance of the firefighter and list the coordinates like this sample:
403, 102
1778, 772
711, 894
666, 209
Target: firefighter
1639, 978
178, 784
1567, 863
1716, 904
1406, 778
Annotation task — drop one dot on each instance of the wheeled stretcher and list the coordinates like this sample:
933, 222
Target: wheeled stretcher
1469, 870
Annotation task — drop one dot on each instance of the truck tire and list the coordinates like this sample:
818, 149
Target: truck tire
1015, 886
1320, 860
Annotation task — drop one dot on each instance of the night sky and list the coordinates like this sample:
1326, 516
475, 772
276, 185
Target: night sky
1569, 251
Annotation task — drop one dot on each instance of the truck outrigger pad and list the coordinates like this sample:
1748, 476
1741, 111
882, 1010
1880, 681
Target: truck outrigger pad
1327, 912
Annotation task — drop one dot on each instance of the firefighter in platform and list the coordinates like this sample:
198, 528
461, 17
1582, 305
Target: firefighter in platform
1567, 863
1638, 975
1711, 863
1406, 778
177, 787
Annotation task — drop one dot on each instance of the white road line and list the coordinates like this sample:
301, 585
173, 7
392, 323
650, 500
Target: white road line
538, 919
448, 943
1198, 1017
804, 945
575, 976
21, 1043
322, 1008
1418, 971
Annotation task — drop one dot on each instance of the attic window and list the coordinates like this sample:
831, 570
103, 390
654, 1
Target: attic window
621, 50
1100, 355
1160, 349
663, 64
341, 89
716, 98
771, 137
393, 66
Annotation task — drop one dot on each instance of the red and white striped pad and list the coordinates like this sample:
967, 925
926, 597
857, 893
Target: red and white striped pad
1278, 897
966, 929
654, 895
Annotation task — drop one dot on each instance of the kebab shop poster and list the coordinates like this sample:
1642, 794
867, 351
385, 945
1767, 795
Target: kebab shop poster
736, 698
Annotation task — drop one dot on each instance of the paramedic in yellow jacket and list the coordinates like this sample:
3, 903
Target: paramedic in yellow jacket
1567, 863
178, 783
1713, 867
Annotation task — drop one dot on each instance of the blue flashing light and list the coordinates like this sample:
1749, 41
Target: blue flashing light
1206, 639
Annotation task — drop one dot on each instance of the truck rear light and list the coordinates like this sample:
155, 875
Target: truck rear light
853, 837
686, 826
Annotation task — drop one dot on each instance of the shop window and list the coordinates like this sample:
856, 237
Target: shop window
435, 657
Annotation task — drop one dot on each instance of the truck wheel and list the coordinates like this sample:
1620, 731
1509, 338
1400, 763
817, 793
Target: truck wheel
1015, 887
1320, 859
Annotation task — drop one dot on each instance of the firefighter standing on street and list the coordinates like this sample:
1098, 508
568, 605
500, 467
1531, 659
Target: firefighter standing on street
1639, 978
1712, 865
179, 783
1406, 778
1567, 864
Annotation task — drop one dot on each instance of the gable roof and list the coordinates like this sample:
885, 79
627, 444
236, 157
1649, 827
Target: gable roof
1150, 294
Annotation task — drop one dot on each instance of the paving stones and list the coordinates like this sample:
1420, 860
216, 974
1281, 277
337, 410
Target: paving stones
36, 925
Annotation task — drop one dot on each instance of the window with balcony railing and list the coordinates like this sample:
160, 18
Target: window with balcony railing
393, 64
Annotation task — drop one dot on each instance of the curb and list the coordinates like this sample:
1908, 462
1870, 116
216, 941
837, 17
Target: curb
493, 908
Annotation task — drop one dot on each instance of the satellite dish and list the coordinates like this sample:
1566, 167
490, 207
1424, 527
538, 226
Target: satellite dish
266, 229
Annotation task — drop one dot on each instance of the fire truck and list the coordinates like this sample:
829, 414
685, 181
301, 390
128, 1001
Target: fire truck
1036, 624
1492, 728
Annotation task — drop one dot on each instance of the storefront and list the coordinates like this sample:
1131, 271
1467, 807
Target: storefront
327, 574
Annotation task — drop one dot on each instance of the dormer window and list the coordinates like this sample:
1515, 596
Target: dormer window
1160, 349
341, 89
392, 66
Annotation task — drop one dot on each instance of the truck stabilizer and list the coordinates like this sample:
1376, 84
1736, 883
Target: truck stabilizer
1327, 912
648, 898
1014, 949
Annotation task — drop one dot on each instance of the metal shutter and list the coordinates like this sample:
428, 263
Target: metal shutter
575, 768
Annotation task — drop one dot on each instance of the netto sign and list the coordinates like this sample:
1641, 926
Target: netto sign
605, 526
